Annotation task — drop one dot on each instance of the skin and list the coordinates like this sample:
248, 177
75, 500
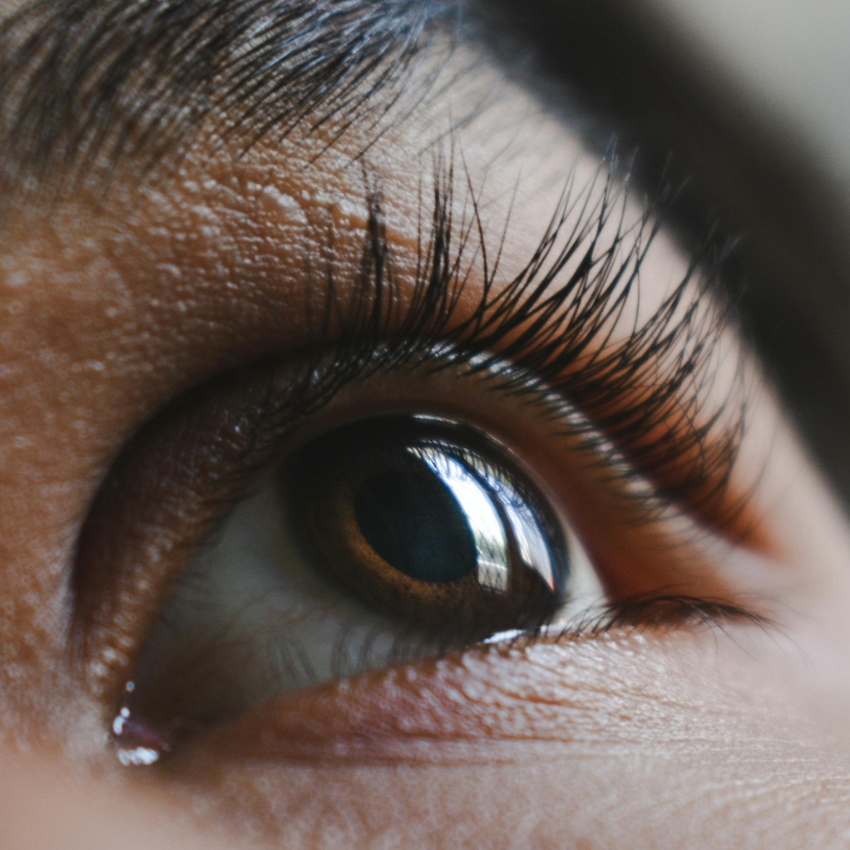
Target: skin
727, 737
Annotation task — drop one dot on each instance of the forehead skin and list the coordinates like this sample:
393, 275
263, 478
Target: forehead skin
113, 306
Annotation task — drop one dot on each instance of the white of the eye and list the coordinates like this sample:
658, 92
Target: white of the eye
586, 592
252, 604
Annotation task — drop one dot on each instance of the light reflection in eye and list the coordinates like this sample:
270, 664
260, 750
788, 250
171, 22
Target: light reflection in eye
491, 542
493, 507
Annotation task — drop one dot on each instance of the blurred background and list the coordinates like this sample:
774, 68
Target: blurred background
790, 57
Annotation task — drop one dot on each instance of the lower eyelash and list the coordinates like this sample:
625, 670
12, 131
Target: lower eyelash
663, 611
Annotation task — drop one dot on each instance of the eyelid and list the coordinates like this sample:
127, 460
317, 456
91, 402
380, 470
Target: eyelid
161, 498
462, 707
209, 453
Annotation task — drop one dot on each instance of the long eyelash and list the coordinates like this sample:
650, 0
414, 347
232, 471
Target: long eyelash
544, 338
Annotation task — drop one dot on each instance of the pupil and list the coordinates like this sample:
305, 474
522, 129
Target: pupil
412, 520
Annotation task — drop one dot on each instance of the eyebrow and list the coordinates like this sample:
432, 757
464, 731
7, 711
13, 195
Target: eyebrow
93, 85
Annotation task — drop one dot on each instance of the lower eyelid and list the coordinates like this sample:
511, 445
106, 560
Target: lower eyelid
566, 690
602, 738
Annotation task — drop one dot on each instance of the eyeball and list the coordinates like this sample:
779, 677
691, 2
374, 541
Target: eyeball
430, 522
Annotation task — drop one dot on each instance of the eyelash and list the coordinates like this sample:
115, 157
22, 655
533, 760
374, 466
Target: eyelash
523, 342
530, 341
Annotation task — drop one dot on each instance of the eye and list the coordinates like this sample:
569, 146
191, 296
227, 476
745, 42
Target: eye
383, 541
427, 522
439, 470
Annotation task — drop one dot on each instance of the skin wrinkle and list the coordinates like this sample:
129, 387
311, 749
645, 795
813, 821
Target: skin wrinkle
715, 741
717, 737
115, 308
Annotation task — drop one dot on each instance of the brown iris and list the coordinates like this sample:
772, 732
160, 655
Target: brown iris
430, 523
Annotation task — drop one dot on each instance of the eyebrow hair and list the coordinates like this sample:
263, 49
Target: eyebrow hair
92, 85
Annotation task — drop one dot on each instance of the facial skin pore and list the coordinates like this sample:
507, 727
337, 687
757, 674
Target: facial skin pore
114, 304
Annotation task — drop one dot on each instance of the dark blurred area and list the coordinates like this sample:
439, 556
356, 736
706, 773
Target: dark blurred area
635, 69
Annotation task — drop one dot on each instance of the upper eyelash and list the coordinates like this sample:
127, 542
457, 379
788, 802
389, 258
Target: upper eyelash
543, 340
